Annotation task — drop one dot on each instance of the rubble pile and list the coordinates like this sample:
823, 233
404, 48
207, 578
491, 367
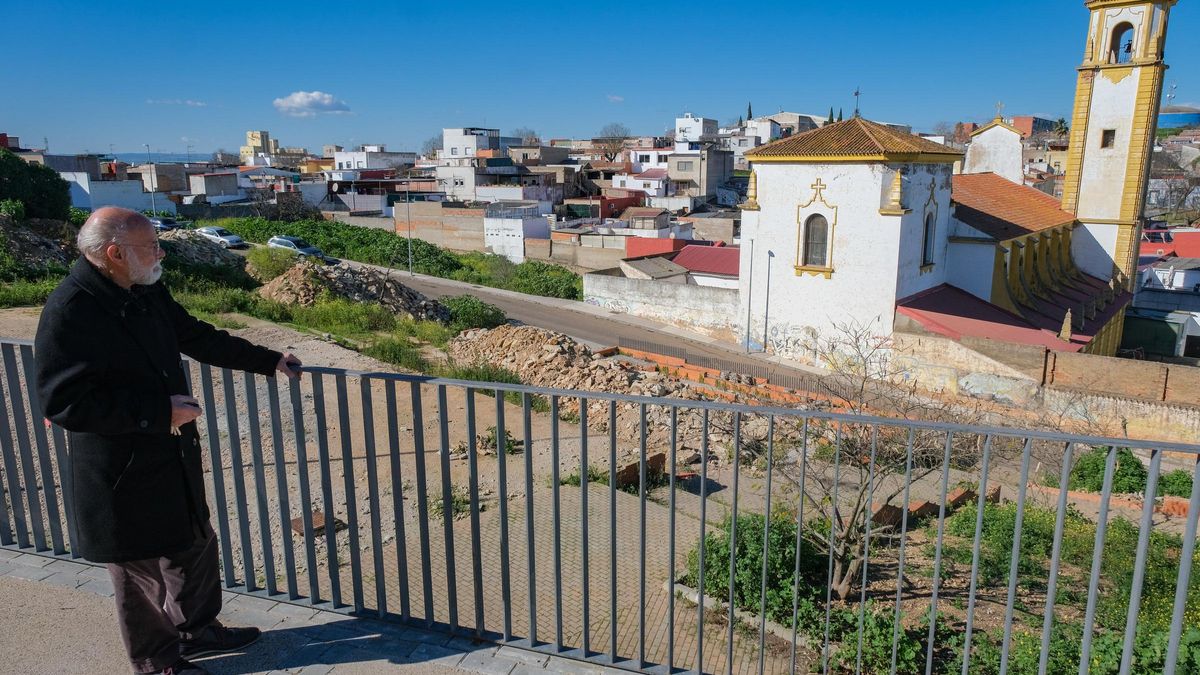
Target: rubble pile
189, 247
307, 281
39, 244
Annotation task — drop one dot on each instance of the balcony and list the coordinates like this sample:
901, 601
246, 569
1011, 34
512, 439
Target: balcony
667, 534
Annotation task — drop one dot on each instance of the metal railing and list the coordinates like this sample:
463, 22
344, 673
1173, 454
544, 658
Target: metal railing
665, 534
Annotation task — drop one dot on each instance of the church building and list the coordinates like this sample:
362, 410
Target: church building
856, 223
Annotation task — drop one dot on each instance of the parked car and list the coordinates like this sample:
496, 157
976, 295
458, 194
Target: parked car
222, 237
300, 247
164, 224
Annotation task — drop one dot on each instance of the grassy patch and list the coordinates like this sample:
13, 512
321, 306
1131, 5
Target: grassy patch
25, 293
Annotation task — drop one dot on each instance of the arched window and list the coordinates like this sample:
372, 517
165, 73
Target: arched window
927, 240
1120, 47
816, 241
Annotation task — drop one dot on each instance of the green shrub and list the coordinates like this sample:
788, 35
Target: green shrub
25, 293
40, 189
1177, 483
878, 632
398, 352
77, 216
468, 311
1129, 475
538, 278
430, 332
510, 444
13, 208
460, 503
595, 474
344, 317
270, 262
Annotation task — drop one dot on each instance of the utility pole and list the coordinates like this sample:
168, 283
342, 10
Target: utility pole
153, 203
408, 216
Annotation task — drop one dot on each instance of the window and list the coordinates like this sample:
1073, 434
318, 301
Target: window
1108, 138
645, 159
685, 166
646, 184
1120, 47
454, 151
816, 242
927, 241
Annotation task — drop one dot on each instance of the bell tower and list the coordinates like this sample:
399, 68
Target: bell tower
1112, 132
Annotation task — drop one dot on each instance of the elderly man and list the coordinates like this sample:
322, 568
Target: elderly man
109, 371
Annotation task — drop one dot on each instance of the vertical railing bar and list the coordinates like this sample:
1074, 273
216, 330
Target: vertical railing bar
473, 487
20, 525
641, 535
64, 479
239, 477
980, 505
937, 554
731, 619
418, 428
28, 472
833, 524
674, 462
366, 405
1139, 565
530, 563
1016, 554
557, 524
43, 450
343, 408
447, 500
799, 538
1085, 650
218, 472
1056, 551
260, 479
502, 488
281, 488
908, 462
393, 426
612, 531
302, 480
762, 596
703, 522
330, 525
1184, 581
869, 507
583, 525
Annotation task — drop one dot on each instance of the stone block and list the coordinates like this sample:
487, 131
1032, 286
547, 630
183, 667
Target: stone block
1174, 506
887, 515
655, 466
960, 496
921, 509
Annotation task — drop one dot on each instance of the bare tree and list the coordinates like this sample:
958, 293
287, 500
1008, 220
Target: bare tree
944, 129
611, 140
431, 145
528, 136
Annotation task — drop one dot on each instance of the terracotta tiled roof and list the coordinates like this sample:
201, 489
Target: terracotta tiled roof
709, 259
1002, 209
1187, 244
855, 137
652, 174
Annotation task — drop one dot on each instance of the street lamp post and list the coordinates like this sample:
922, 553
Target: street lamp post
153, 203
408, 216
767, 302
749, 295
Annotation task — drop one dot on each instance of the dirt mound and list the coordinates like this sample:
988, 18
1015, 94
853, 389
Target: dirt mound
189, 247
39, 244
304, 284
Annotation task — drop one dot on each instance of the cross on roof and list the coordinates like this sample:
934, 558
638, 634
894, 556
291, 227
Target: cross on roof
857, 96
999, 109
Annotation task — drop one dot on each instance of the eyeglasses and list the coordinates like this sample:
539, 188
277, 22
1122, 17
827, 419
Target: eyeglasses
157, 246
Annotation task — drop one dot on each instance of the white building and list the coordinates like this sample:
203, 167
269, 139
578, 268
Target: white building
458, 143
506, 226
373, 157
695, 129
92, 194
996, 148
654, 182
645, 158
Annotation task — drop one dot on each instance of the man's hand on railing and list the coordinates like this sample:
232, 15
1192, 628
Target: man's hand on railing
184, 409
289, 364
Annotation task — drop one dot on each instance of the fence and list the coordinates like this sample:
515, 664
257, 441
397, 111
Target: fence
663, 534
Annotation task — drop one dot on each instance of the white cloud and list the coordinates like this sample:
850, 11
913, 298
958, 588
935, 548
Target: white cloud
310, 103
613, 98
176, 101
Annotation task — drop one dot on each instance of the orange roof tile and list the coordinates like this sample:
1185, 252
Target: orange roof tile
1002, 209
852, 139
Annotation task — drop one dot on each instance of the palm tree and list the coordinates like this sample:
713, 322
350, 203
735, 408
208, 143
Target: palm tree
1060, 127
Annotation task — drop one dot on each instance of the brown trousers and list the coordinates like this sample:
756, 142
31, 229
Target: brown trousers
163, 600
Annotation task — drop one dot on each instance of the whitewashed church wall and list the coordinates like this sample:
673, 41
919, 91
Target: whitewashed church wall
1104, 168
927, 190
1093, 246
970, 267
862, 287
997, 150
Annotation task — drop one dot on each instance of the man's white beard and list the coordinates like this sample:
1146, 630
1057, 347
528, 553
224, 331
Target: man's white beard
146, 277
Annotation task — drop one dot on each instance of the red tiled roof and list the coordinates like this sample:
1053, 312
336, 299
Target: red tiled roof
1187, 244
652, 174
855, 137
722, 260
1002, 209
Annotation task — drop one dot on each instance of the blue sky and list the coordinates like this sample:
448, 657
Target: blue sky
91, 75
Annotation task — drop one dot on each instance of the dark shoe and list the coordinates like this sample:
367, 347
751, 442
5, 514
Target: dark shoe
183, 667
216, 639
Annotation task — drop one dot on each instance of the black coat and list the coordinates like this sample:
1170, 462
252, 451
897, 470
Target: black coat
107, 364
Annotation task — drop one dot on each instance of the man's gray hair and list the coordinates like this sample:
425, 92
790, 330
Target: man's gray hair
102, 228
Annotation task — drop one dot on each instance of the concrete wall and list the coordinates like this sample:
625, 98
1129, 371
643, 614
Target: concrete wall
89, 194
705, 310
454, 228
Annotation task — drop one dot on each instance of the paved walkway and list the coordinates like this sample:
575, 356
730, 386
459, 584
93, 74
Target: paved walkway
58, 617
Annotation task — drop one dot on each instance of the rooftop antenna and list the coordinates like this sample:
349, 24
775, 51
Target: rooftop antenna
857, 96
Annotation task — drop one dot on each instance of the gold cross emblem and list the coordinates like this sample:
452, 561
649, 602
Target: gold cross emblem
818, 189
